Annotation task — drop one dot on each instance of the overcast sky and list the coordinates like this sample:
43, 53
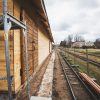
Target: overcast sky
74, 17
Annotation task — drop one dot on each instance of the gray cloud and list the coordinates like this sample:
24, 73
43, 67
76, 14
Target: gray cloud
89, 3
60, 27
74, 16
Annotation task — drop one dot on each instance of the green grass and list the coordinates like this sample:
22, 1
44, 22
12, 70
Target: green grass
95, 53
94, 71
90, 51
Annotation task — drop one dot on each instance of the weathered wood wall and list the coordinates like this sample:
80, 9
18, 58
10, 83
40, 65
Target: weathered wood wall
14, 47
29, 15
39, 45
3, 83
9, 6
32, 47
17, 48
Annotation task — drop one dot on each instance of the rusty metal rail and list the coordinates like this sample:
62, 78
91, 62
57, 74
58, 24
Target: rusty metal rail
78, 89
84, 59
88, 53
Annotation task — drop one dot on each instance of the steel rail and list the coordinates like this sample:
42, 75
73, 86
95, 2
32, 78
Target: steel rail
90, 92
67, 80
85, 53
85, 59
78, 77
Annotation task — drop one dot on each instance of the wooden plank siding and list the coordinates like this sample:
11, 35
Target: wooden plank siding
39, 44
17, 48
9, 6
32, 47
3, 83
14, 47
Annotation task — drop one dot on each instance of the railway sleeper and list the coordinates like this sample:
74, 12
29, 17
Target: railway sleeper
79, 92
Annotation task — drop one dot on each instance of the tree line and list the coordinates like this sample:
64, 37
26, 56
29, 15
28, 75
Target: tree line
70, 39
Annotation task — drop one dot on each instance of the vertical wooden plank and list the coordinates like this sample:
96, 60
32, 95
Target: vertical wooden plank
17, 59
1, 7
3, 83
32, 46
17, 51
9, 6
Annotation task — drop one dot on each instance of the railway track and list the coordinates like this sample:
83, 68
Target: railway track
85, 53
78, 89
84, 59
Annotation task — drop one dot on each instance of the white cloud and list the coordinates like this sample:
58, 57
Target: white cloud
74, 16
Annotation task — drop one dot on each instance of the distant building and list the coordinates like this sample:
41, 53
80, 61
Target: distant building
82, 44
78, 44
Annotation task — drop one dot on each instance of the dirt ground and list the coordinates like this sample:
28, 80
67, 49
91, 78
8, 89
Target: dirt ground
35, 82
60, 90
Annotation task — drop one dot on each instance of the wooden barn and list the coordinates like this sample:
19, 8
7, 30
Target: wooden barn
39, 41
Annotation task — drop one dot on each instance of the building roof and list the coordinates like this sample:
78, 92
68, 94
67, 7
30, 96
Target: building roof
41, 10
78, 44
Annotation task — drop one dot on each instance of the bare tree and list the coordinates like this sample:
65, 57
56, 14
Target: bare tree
79, 38
70, 38
63, 43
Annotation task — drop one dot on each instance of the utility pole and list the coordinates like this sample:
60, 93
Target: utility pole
87, 61
74, 56
68, 52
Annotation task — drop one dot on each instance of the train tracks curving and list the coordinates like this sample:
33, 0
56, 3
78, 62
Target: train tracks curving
78, 89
